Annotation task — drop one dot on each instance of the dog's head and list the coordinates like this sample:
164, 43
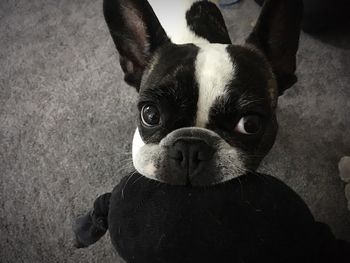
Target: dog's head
207, 107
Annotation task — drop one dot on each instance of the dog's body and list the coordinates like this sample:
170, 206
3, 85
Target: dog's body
207, 116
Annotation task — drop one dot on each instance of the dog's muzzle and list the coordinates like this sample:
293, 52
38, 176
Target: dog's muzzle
189, 156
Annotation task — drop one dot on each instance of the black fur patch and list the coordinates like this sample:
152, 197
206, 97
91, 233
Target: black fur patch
173, 89
205, 20
248, 93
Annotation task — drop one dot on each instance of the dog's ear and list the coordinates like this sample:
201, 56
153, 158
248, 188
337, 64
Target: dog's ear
276, 34
136, 33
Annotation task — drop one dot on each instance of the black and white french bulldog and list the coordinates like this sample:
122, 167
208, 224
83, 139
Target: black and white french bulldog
207, 118
205, 104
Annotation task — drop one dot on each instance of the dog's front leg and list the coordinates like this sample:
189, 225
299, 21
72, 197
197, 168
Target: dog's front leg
89, 228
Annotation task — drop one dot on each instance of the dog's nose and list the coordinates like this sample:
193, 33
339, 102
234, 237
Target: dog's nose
190, 155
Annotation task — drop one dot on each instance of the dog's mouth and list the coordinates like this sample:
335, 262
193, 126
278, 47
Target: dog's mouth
188, 156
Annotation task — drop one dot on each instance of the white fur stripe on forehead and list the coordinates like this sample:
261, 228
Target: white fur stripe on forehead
172, 16
214, 71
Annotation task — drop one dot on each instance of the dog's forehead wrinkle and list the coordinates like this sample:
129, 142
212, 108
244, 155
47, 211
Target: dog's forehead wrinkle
248, 99
215, 70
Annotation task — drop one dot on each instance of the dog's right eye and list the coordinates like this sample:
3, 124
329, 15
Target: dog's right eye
150, 115
250, 124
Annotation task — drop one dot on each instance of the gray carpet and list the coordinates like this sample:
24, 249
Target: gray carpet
67, 118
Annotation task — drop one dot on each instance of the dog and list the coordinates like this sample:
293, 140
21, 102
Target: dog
207, 115
207, 107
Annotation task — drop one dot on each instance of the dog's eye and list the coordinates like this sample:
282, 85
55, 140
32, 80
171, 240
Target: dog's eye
150, 115
250, 124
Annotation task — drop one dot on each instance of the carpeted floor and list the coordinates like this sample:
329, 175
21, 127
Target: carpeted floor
67, 118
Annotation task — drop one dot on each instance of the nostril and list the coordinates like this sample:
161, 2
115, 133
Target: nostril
204, 155
194, 158
190, 155
181, 158
177, 155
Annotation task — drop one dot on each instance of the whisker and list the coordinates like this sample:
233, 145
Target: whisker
140, 176
125, 153
125, 166
122, 194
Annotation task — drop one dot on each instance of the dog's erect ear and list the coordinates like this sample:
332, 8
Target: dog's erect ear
136, 33
276, 34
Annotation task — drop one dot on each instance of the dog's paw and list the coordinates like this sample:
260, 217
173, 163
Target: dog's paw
344, 173
88, 230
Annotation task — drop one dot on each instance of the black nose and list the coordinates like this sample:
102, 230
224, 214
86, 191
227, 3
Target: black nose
190, 156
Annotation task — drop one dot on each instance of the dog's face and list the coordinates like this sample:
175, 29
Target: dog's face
203, 117
207, 108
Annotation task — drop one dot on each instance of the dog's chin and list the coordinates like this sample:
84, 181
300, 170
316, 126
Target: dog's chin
154, 162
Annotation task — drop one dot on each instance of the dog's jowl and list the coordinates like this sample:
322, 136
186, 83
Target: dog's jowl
207, 106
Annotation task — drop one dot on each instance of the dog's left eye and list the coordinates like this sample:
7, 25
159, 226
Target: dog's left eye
150, 115
250, 124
